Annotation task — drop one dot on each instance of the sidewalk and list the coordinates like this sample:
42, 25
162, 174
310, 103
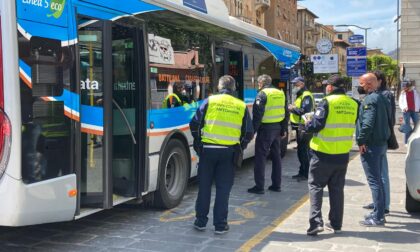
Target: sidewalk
401, 232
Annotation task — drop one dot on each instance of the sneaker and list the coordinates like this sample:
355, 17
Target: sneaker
223, 230
199, 227
274, 188
314, 230
370, 222
370, 216
369, 206
329, 227
256, 190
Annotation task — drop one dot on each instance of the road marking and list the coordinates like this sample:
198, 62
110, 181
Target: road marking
256, 239
259, 237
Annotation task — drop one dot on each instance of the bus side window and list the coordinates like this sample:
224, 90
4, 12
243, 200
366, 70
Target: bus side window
47, 72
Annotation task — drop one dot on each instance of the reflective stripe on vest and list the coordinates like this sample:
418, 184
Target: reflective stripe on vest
173, 95
274, 108
337, 135
296, 119
223, 120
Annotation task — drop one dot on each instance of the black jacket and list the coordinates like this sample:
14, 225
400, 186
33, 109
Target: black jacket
197, 123
258, 110
318, 123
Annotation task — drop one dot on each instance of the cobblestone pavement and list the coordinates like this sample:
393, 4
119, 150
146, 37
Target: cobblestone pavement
136, 228
401, 232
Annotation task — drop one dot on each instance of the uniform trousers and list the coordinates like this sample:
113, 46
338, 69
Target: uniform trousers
322, 174
216, 164
267, 142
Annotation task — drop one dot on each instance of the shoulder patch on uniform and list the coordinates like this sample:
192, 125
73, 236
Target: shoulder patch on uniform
257, 102
307, 101
318, 113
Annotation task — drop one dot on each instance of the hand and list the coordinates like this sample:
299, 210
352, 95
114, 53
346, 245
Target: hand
405, 110
362, 149
290, 107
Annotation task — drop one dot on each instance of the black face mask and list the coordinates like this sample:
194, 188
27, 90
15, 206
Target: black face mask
361, 90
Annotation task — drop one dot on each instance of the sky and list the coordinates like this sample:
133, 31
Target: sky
377, 14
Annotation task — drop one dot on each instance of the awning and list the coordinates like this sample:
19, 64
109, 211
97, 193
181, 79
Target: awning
287, 56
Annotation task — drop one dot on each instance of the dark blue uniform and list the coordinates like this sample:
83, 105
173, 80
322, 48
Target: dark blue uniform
267, 142
303, 139
216, 163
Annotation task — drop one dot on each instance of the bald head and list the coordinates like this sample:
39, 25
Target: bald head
369, 82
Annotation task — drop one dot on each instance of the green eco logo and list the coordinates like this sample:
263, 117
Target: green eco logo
57, 8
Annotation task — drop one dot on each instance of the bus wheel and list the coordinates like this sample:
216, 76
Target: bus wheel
173, 176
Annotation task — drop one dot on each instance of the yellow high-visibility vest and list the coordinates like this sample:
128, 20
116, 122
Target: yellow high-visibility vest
336, 137
223, 120
171, 96
296, 119
275, 106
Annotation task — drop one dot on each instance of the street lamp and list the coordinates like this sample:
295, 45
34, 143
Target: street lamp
363, 28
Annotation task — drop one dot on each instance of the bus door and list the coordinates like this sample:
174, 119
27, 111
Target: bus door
110, 113
230, 61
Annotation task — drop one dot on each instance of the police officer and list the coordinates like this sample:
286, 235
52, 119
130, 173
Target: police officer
334, 123
176, 98
270, 123
221, 128
304, 103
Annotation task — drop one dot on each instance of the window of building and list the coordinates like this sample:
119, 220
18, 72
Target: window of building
340, 36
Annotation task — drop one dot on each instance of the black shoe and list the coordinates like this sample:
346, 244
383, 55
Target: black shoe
302, 178
369, 206
329, 227
386, 211
199, 227
296, 176
314, 230
274, 188
223, 230
256, 190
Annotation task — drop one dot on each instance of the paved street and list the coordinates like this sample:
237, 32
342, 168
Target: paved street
270, 222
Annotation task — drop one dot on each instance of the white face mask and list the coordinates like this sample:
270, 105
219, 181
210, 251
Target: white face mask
295, 90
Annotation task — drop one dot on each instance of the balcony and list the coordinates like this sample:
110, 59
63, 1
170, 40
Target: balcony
262, 4
244, 18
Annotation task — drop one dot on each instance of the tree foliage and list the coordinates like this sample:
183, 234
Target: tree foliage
386, 64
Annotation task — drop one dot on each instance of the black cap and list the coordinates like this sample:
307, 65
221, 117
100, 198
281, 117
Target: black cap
337, 81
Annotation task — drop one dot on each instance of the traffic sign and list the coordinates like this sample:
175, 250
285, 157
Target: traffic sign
325, 63
356, 52
356, 39
284, 74
356, 67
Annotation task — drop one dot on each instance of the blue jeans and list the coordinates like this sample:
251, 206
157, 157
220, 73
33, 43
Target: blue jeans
407, 115
372, 162
215, 164
385, 181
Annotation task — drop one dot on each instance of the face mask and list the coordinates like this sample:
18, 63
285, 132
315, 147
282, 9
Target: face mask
361, 90
295, 90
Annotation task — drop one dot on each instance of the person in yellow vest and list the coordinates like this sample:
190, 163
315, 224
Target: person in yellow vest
221, 128
304, 103
269, 118
333, 125
176, 98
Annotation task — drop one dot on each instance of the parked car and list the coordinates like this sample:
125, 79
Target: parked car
412, 172
318, 97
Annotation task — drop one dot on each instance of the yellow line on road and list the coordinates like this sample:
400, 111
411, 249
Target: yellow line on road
256, 239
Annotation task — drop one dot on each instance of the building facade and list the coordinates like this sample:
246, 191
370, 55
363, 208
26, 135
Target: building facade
244, 10
281, 20
410, 40
306, 30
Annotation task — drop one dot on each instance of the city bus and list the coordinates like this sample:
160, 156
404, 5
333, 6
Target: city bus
82, 83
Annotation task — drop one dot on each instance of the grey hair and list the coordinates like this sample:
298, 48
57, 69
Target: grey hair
227, 82
264, 79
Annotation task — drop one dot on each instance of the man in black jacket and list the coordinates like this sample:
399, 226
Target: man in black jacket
372, 136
